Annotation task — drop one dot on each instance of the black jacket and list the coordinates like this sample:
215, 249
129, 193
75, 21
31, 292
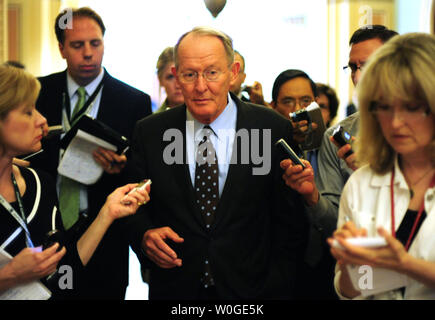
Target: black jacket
259, 230
121, 106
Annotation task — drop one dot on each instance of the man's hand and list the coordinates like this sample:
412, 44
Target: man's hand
350, 160
300, 130
301, 180
155, 247
256, 94
109, 160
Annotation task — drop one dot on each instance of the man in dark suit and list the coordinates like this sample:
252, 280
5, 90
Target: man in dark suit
237, 232
117, 105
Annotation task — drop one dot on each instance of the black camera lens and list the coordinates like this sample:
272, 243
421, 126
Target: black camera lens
300, 115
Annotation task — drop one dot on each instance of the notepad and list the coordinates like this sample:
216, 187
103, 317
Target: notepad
34, 290
97, 129
369, 280
78, 162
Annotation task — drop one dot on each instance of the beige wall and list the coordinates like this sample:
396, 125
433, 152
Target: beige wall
36, 39
3, 30
433, 17
39, 52
382, 11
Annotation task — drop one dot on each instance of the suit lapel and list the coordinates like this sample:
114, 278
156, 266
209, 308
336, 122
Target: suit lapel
237, 171
109, 111
181, 172
60, 98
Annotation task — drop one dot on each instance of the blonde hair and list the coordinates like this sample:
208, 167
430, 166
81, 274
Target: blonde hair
17, 86
402, 69
165, 58
207, 31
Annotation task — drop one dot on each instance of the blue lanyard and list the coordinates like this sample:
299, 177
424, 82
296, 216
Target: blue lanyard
21, 220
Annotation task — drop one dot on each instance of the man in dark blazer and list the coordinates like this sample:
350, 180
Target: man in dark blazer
117, 105
251, 248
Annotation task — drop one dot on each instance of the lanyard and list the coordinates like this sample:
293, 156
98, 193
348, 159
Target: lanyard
417, 219
87, 106
21, 220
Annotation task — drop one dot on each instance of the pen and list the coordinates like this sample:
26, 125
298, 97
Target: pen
122, 153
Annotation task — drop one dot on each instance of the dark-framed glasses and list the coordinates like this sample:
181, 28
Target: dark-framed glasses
191, 76
353, 67
304, 102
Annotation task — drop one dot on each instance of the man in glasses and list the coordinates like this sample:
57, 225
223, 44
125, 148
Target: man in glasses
293, 90
322, 192
216, 228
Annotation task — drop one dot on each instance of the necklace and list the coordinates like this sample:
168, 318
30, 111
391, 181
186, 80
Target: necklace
413, 184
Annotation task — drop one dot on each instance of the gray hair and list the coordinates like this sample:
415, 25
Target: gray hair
207, 31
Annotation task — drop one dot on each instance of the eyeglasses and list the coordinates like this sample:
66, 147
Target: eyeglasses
191, 76
407, 112
353, 67
291, 102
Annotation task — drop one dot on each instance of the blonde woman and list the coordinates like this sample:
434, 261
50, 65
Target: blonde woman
28, 201
393, 194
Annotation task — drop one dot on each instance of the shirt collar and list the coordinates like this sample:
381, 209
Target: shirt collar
90, 88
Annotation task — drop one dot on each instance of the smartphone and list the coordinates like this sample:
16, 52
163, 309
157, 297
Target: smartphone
342, 137
281, 143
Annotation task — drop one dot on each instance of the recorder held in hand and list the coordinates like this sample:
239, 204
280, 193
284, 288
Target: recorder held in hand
343, 137
283, 145
311, 114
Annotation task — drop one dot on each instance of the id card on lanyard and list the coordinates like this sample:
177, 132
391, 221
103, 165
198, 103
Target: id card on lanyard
20, 219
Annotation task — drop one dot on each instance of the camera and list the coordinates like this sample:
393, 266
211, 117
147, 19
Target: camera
300, 115
312, 113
